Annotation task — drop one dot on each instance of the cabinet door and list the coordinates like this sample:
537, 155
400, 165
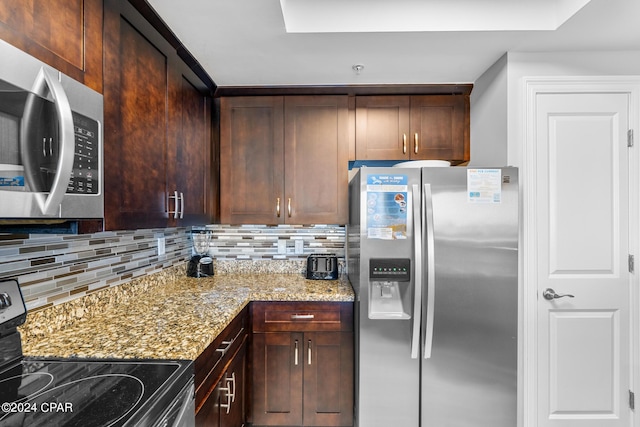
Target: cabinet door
439, 127
277, 379
232, 413
328, 379
135, 119
209, 413
316, 159
156, 128
66, 34
251, 160
382, 128
193, 154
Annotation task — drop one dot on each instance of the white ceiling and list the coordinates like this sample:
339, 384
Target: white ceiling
316, 42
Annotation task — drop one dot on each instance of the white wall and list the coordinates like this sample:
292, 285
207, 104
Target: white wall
489, 117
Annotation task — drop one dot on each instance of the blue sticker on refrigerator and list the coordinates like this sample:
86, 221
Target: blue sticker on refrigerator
387, 206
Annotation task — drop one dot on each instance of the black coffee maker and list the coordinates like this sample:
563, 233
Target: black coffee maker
200, 264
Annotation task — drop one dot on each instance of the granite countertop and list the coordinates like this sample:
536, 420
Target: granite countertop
170, 316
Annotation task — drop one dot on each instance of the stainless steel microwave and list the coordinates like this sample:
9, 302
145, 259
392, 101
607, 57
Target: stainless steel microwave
51, 142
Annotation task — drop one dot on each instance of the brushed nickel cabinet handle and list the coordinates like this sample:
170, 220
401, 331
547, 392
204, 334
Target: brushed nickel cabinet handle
227, 345
226, 406
289, 207
309, 353
229, 394
295, 352
302, 316
415, 143
278, 207
232, 386
404, 143
176, 205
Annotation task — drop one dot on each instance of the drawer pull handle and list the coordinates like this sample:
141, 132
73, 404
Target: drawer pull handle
295, 352
227, 345
309, 353
302, 316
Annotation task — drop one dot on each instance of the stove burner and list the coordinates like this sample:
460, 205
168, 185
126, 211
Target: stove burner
21, 387
101, 400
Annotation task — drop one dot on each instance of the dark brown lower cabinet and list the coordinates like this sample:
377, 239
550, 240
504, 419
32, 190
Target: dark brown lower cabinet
328, 379
209, 414
302, 364
225, 406
221, 377
277, 379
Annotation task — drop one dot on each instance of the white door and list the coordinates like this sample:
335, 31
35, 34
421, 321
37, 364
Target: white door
582, 248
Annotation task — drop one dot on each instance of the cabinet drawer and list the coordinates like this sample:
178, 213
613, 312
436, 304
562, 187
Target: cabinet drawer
210, 365
280, 316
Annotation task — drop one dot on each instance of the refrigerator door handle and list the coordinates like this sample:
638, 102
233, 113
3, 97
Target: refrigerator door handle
431, 274
417, 272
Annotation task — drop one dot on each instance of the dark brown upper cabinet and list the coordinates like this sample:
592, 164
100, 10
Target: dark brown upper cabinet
157, 121
66, 34
421, 127
284, 159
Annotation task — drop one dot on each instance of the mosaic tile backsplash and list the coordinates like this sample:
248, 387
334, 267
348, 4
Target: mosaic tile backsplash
266, 242
56, 268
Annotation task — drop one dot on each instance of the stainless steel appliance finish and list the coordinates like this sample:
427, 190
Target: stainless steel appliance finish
51, 138
181, 412
433, 258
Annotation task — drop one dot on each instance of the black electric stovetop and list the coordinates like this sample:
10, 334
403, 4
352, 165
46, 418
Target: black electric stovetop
85, 393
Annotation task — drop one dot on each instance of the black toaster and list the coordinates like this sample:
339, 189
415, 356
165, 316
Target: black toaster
322, 267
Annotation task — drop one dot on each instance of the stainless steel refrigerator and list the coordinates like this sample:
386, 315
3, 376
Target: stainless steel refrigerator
433, 258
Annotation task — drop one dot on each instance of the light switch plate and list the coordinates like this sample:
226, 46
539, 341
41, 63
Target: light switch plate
161, 246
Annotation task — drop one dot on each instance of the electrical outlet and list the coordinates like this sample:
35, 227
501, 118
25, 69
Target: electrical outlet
282, 246
299, 246
161, 246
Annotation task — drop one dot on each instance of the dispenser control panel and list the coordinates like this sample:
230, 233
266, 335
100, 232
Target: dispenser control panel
392, 269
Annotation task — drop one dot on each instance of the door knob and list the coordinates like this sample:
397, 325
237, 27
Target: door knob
550, 294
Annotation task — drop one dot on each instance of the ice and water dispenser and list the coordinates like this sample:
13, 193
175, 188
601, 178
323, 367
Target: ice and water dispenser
390, 288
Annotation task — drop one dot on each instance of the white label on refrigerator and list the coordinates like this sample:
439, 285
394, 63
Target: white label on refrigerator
484, 185
387, 206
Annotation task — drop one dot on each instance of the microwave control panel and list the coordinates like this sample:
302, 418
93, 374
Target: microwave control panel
85, 175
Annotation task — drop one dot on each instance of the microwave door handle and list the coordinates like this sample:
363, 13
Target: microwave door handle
46, 82
417, 272
431, 274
